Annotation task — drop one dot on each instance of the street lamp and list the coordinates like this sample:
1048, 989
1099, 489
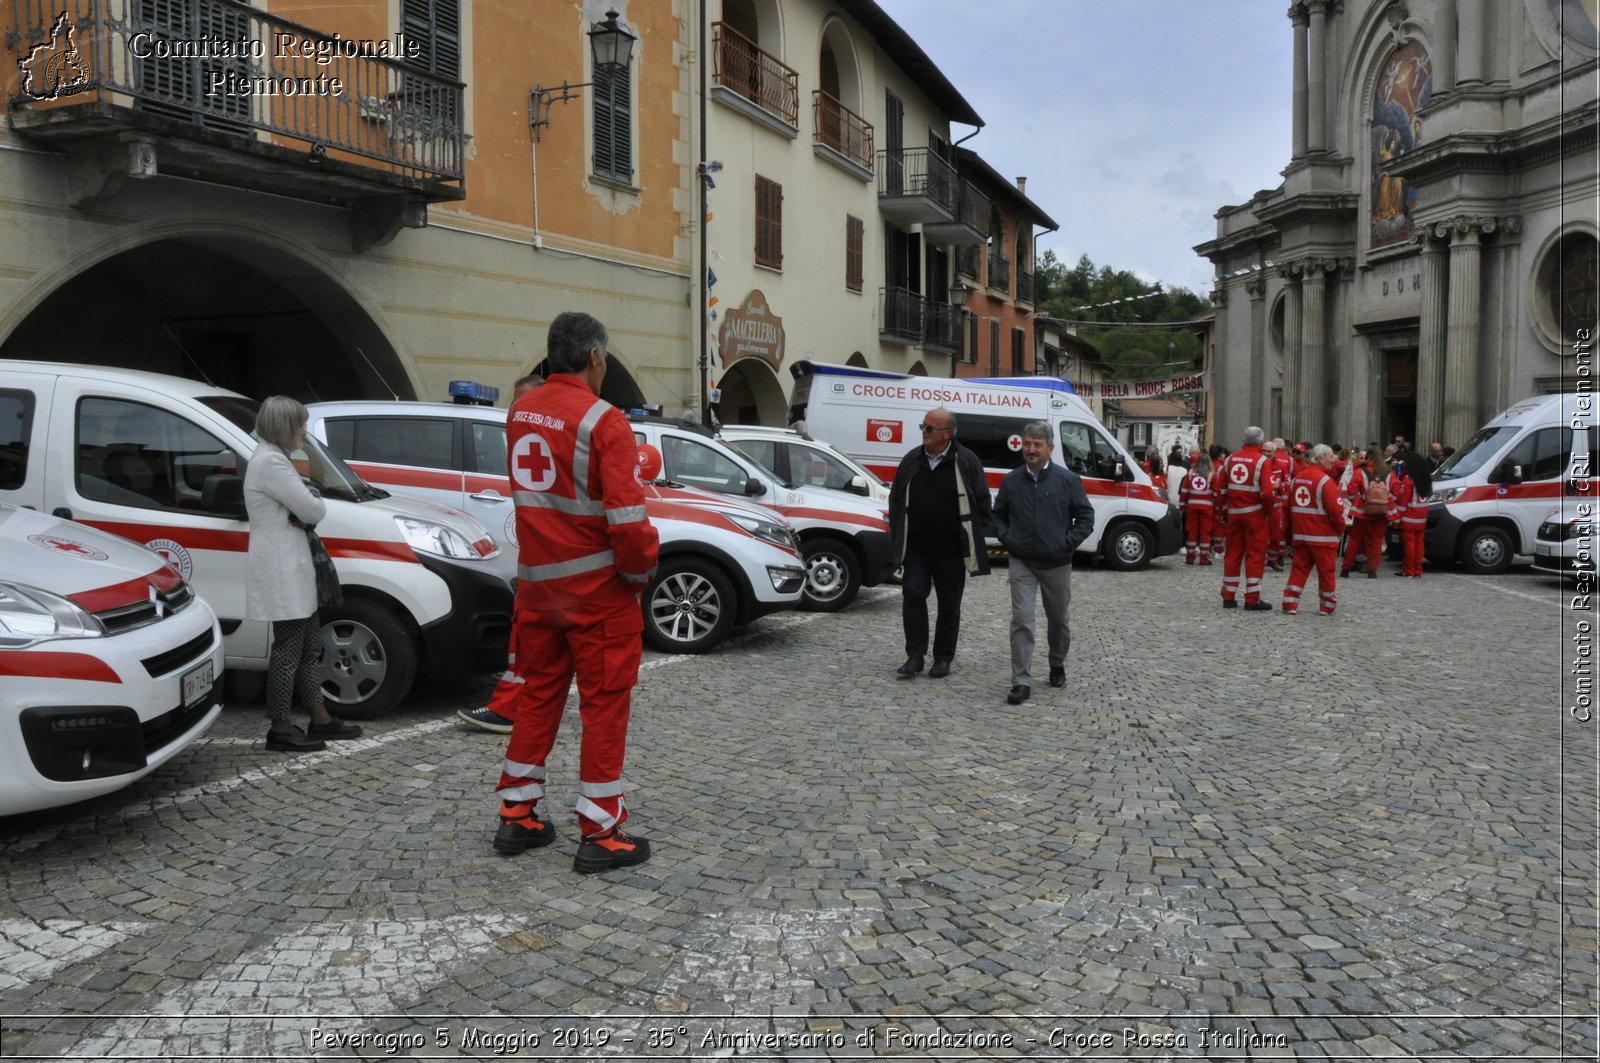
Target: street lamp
611, 45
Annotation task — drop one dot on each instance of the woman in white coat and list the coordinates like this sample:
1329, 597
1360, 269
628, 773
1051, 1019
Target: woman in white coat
280, 583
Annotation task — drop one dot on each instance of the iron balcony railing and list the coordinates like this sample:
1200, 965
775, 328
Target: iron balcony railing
999, 273
901, 314
1024, 285
974, 210
841, 129
222, 65
918, 172
969, 261
760, 78
942, 327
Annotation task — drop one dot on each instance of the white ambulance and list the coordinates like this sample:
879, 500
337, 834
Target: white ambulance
874, 417
160, 460
109, 662
1491, 496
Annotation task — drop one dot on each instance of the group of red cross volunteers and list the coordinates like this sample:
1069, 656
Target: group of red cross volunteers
1320, 507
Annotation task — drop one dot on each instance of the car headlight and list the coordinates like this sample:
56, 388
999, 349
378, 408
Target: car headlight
1444, 495
762, 528
29, 615
426, 537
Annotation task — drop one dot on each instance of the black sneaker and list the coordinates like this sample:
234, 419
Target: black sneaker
517, 835
1259, 607
486, 719
1229, 603
611, 849
293, 740
335, 729
1058, 677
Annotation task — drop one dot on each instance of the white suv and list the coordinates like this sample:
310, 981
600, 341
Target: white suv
793, 456
723, 563
843, 536
109, 663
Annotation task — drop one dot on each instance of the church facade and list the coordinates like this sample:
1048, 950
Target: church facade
1431, 255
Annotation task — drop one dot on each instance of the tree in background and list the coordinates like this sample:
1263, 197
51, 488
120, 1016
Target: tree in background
1118, 313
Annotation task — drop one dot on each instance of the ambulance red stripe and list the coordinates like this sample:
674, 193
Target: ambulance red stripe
51, 664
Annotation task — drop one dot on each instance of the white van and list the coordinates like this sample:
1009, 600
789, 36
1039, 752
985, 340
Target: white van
874, 417
1490, 496
161, 459
109, 662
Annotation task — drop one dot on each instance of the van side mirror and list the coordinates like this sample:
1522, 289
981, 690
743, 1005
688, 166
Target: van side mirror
858, 485
223, 494
1507, 472
753, 487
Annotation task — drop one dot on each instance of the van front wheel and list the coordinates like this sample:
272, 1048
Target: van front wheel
369, 660
1486, 551
1128, 546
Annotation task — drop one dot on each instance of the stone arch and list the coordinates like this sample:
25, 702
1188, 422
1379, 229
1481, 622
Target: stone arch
845, 69
759, 20
619, 387
918, 369
856, 359
751, 394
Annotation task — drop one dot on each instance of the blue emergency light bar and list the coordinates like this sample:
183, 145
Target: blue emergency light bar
472, 393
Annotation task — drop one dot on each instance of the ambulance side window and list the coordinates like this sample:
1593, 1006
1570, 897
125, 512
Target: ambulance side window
16, 428
488, 447
130, 454
697, 465
423, 442
1543, 455
1087, 452
814, 468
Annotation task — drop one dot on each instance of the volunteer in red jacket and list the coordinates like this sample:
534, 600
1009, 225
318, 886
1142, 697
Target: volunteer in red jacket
1194, 495
1320, 514
1219, 502
1247, 476
1278, 518
1366, 534
586, 551
1409, 488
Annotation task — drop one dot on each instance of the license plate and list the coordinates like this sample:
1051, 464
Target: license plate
1544, 551
197, 682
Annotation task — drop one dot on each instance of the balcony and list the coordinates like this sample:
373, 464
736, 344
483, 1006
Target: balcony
969, 262
900, 317
942, 331
1024, 286
843, 137
753, 82
271, 105
970, 225
915, 185
999, 274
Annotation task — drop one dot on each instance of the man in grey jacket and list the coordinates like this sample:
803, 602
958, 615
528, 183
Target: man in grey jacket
1041, 515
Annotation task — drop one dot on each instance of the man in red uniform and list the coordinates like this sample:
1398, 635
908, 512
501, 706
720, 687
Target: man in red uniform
586, 549
1278, 519
1247, 479
1320, 513
1196, 499
1366, 533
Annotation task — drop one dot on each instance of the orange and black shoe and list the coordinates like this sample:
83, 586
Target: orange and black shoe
520, 829
602, 852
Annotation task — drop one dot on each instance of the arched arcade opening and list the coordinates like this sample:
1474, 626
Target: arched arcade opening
751, 394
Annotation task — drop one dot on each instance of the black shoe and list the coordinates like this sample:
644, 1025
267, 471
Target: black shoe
517, 835
1372, 575
1018, 695
611, 849
1229, 603
939, 670
1345, 574
1259, 607
293, 740
334, 729
1058, 677
912, 666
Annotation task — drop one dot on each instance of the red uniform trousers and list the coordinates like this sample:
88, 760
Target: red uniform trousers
1412, 533
1325, 557
604, 655
1366, 539
1278, 524
507, 697
1247, 544
1197, 537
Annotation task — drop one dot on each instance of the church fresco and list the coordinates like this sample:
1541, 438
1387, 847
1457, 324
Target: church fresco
1404, 85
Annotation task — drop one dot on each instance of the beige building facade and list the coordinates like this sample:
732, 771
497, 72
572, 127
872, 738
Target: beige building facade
1430, 256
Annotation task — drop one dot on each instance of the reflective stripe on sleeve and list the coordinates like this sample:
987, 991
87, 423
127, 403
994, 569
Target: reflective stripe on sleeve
576, 567
1329, 539
581, 448
578, 507
625, 515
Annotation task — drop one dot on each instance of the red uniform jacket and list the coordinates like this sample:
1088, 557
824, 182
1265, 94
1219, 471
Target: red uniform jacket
1195, 490
1404, 505
585, 545
1318, 506
1247, 476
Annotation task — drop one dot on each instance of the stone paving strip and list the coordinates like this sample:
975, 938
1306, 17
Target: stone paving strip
1231, 836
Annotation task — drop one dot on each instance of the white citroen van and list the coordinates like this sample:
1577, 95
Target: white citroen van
161, 459
874, 416
1491, 496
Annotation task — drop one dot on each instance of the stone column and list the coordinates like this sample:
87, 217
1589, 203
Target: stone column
1316, 78
1471, 31
1444, 54
1216, 405
1313, 398
1462, 330
1291, 351
1431, 339
1297, 15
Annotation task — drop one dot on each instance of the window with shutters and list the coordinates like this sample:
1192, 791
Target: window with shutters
994, 347
613, 123
1019, 352
434, 27
854, 233
769, 223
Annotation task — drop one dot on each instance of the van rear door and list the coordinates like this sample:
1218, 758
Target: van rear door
24, 421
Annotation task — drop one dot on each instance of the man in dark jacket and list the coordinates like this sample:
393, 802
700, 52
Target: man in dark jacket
1041, 515
938, 517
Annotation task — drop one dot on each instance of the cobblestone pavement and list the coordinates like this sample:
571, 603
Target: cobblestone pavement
1233, 835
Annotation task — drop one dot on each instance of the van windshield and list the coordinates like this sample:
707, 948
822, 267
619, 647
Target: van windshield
1477, 451
326, 472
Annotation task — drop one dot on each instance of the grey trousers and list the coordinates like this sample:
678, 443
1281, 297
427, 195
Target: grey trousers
1054, 585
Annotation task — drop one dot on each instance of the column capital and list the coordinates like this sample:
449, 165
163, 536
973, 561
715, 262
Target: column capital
1298, 14
1256, 287
1475, 226
1219, 295
1319, 7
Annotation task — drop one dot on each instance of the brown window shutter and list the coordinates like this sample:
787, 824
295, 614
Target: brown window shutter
769, 223
854, 235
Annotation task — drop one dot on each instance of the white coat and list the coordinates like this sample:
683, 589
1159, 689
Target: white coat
280, 583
